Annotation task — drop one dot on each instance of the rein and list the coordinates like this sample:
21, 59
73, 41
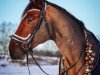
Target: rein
31, 53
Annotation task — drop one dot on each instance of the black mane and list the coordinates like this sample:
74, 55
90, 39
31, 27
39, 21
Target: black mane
80, 23
65, 12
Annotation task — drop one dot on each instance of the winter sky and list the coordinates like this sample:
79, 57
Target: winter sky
86, 10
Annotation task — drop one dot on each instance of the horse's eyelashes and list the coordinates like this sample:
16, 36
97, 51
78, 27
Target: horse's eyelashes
29, 20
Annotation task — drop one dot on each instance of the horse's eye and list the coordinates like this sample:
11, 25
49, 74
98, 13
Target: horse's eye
29, 20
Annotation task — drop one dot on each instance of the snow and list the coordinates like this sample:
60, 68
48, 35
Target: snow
4, 61
16, 69
22, 70
48, 45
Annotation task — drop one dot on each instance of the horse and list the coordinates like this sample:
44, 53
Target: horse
43, 20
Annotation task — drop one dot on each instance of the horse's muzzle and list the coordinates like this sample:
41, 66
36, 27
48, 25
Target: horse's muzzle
15, 55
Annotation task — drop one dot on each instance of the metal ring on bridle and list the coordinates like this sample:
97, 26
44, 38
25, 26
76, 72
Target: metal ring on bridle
26, 46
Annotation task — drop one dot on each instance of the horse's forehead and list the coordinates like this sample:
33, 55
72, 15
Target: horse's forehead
33, 12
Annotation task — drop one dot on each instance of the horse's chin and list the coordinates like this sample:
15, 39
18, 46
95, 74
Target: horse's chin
16, 55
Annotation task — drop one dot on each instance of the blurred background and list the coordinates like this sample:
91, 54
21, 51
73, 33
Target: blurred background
87, 11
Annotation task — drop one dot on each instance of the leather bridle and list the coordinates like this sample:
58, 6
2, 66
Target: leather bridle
27, 42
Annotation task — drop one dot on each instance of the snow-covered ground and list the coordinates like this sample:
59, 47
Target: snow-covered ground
16, 69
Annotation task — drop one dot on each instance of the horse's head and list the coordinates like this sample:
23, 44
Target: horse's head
31, 32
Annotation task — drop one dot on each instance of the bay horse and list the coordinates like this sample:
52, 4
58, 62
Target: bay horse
42, 21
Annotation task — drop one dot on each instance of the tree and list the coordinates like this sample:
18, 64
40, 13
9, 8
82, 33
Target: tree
5, 30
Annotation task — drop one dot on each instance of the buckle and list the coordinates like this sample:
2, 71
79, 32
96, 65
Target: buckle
26, 46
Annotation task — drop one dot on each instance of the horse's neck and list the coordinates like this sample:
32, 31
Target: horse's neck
66, 38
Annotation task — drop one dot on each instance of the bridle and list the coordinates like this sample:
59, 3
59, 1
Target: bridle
27, 42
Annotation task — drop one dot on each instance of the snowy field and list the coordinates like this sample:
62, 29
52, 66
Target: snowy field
16, 69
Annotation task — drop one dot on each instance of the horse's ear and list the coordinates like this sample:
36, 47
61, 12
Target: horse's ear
38, 3
32, 1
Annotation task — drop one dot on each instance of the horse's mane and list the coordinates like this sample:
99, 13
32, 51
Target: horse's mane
80, 23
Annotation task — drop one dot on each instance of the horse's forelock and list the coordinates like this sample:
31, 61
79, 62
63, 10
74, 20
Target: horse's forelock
28, 7
37, 4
